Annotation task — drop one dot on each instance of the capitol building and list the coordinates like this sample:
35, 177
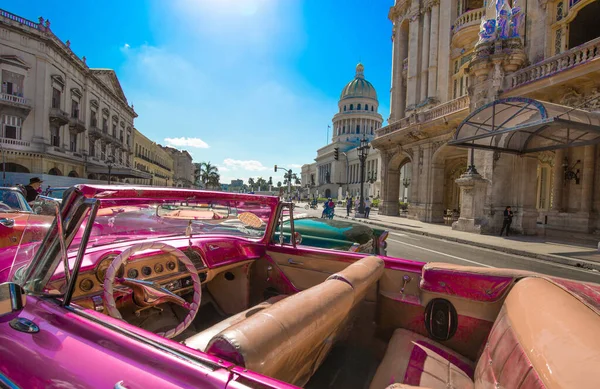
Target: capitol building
357, 117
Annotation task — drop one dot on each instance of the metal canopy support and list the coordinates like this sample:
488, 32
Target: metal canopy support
520, 125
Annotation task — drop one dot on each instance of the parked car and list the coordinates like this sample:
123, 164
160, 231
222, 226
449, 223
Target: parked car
337, 234
56, 193
17, 217
229, 307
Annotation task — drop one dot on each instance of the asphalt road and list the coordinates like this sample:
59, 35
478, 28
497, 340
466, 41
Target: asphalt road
422, 248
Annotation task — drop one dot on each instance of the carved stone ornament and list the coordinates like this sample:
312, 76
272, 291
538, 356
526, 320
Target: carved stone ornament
592, 101
546, 157
416, 135
498, 75
571, 98
436, 145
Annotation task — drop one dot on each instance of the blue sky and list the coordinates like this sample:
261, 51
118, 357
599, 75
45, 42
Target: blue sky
244, 84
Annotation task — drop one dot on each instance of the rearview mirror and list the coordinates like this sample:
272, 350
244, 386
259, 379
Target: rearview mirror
12, 298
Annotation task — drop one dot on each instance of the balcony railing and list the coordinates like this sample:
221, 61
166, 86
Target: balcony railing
19, 19
14, 142
14, 99
436, 112
579, 55
469, 18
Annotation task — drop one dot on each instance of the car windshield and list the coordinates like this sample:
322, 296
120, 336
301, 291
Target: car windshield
123, 220
56, 193
12, 200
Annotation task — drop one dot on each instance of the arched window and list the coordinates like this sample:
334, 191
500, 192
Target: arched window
366, 107
73, 173
55, 172
358, 107
344, 108
15, 168
351, 107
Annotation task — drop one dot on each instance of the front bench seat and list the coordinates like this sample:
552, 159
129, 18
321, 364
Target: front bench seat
290, 339
201, 339
543, 338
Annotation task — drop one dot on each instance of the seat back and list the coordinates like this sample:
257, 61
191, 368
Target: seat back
361, 275
543, 338
289, 340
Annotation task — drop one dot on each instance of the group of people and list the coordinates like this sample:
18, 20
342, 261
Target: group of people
356, 203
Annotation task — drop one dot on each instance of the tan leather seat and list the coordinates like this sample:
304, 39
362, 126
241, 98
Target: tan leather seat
201, 339
361, 275
289, 340
543, 338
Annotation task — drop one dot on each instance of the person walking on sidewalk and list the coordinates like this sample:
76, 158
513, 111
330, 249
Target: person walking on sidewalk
367, 207
348, 205
508, 215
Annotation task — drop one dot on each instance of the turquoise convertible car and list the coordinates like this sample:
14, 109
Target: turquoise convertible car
336, 235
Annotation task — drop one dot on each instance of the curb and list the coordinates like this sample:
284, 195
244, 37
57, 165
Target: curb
580, 263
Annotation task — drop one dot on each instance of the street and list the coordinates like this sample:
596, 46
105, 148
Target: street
422, 248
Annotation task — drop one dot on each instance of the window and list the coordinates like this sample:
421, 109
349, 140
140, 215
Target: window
93, 119
344, 108
92, 147
114, 130
54, 137
358, 129
11, 127
460, 80
358, 107
105, 125
351, 107
128, 139
73, 142
56, 98
371, 130
366, 107
343, 129
12, 83
121, 136
10, 132
74, 109
371, 108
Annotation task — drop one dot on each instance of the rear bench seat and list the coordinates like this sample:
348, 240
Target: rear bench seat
542, 338
288, 339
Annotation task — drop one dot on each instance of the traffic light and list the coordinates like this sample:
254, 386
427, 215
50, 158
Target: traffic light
336, 153
275, 169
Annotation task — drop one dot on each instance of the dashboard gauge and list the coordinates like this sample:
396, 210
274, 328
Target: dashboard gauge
104, 264
146, 271
158, 268
132, 273
171, 265
86, 285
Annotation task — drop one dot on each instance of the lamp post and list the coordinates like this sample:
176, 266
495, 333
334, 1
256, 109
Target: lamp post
406, 184
290, 176
110, 161
363, 152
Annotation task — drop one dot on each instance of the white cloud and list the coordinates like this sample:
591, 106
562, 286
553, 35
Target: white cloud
189, 142
250, 165
126, 46
295, 165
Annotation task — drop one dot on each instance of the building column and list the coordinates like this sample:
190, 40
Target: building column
558, 180
587, 178
398, 97
433, 51
412, 74
425, 54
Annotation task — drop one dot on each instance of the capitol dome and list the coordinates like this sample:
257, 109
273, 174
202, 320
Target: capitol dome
359, 87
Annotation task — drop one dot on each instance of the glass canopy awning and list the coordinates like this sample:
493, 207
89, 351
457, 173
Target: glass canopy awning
521, 125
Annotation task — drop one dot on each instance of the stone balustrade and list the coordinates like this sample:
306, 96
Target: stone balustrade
434, 113
574, 57
19, 19
469, 18
14, 99
11, 143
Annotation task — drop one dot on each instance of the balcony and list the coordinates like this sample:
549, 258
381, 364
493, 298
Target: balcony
15, 144
16, 102
454, 107
76, 125
466, 27
578, 57
58, 117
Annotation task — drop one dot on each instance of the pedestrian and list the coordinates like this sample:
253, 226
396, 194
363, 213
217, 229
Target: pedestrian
348, 205
32, 189
367, 207
508, 215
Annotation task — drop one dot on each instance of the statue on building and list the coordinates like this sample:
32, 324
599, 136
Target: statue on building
487, 31
503, 24
516, 20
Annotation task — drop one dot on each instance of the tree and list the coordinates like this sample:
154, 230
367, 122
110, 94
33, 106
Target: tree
251, 184
260, 182
209, 175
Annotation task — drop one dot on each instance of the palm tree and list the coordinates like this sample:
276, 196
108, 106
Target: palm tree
208, 174
251, 184
261, 182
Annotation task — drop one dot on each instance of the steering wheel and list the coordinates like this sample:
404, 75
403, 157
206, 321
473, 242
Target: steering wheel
150, 293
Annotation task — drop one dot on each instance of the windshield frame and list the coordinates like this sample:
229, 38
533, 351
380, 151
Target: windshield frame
25, 207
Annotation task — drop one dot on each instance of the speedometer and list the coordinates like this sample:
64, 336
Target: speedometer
103, 266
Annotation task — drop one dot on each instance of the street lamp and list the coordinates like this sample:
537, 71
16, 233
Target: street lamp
406, 183
290, 176
363, 152
110, 161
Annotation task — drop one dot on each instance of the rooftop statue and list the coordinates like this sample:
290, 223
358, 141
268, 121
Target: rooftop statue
500, 21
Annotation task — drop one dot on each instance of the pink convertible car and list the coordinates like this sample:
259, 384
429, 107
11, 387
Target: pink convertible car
223, 302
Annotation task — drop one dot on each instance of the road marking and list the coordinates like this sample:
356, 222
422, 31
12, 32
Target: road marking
440, 253
404, 236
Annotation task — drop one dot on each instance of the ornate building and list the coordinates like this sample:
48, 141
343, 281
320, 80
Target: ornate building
183, 168
357, 116
154, 160
58, 116
516, 83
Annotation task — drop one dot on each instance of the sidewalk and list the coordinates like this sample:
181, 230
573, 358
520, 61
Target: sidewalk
553, 249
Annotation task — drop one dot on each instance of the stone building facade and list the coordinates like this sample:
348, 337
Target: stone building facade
453, 58
152, 159
57, 115
183, 168
357, 117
